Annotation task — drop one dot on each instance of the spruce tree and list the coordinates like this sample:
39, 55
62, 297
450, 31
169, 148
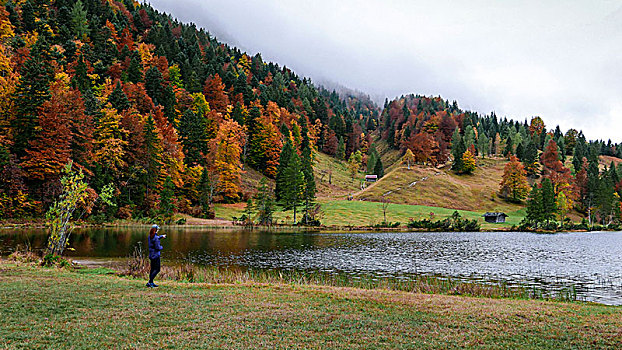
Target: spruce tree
379, 168
33, 89
118, 99
549, 208
535, 213
307, 170
193, 137
280, 179
167, 206
264, 203
292, 192
341, 149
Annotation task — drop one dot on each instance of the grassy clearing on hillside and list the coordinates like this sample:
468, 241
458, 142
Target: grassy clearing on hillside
364, 213
443, 188
50, 308
341, 182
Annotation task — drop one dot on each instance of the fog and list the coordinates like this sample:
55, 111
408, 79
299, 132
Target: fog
560, 60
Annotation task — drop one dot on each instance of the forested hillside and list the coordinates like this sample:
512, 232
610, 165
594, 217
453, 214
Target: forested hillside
160, 109
171, 119
554, 172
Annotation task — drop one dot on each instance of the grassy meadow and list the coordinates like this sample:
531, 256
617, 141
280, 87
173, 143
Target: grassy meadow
52, 308
365, 213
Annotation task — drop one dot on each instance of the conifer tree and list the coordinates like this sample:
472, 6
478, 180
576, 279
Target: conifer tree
341, 149
549, 209
535, 211
286, 154
33, 89
292, 192
167, 206
264, 203
193, 138
379, 168
307, 170
118, 99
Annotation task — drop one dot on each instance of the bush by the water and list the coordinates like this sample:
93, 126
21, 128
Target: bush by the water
454, 223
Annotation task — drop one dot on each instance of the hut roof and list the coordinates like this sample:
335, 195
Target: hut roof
495, 214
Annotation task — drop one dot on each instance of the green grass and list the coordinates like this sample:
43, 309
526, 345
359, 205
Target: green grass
50, 308
364, 213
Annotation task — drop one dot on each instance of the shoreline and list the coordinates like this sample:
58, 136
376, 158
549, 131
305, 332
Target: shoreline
221, 224
91, 308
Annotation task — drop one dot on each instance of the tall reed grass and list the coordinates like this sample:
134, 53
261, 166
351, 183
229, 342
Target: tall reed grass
138, 267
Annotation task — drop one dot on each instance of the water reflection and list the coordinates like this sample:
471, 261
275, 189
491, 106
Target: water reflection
592, 262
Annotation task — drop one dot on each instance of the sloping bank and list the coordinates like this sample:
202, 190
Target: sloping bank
51, 308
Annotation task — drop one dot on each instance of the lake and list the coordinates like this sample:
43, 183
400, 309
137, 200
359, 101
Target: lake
591, 262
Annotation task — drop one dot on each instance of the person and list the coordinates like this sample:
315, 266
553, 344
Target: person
154, 253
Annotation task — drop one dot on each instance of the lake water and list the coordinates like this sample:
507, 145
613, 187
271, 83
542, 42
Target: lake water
591, 262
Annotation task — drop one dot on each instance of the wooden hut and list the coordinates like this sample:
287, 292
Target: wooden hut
495, 218
371, 178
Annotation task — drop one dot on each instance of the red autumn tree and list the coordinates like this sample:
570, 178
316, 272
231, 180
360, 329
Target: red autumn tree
51, 149
215, 94
422, 146
553, 169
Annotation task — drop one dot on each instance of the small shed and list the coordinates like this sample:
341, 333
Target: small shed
495, 218
371, 178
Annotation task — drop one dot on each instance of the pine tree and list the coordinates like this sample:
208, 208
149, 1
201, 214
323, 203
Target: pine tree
134, 71
549, 209
307, 170
341, 149
535, 211
293, 192
286, 154
33, 89
457, 152
379, 168
530, 159
193, 138
264, 203
167, 206
79, 22
118, 99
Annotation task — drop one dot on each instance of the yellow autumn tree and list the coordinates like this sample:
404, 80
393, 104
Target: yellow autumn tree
514, 185
408, 158
109, 143
225, 152
468, 162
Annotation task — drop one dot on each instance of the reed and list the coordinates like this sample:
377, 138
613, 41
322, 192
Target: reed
191, 273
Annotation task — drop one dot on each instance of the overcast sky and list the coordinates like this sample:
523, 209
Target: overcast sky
561, 60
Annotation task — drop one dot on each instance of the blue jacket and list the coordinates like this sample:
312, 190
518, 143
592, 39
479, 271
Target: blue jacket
154, 247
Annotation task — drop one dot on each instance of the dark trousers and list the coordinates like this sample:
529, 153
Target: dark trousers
155, 269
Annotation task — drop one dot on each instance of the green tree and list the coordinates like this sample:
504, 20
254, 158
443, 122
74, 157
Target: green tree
281, 181
193, 137
33, 89
535, 211
379, 168
341, 149
167, 205
118, 99
307, 170
457, 151
79, 21
264, 203
293, 191
549, 208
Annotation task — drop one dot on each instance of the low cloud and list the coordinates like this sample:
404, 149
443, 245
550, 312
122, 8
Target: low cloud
559, 60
